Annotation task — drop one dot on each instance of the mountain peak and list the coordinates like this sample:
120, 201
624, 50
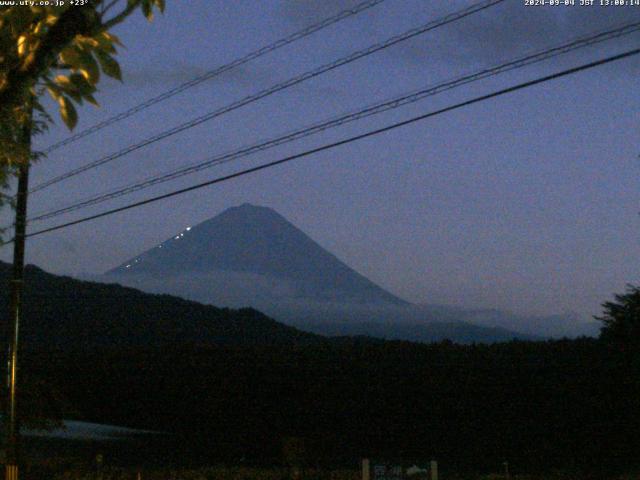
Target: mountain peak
253, 239
250, 209
249, 212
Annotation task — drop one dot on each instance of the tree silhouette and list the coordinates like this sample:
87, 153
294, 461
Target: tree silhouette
621, 319
59, 50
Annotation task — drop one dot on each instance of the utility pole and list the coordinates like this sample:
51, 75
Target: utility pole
17, 282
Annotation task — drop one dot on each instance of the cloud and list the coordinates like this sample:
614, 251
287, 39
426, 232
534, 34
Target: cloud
511, 28
499, 33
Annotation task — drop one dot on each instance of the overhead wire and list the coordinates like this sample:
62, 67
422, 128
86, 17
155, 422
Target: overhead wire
522, 61
371, 133
445, 20
305, 32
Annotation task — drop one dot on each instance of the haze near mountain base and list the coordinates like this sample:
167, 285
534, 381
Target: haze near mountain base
252, 256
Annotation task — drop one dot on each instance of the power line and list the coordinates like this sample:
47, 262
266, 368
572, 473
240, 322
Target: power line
370, 133
406, 99
217, 71
274, 89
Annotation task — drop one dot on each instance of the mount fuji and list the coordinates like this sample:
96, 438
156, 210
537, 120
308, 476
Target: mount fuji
251, 256
259, 249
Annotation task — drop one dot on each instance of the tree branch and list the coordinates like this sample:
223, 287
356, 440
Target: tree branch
74, 21
108, 7
131, 6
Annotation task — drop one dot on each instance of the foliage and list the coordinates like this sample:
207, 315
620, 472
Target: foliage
541, 405
294, 453
234, 385
621, 319
75, 315
61, 50
264, 473
207, 473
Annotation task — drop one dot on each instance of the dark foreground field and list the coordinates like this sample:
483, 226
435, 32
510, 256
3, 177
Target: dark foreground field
249, 473
235, 387
571, 406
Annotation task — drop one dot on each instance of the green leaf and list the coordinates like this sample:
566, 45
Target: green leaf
109, 65
91, 99
54, 90
160, 4
112, 38
64, 82
147, 9
89, 68
68, 112
80, 83
75, 95
105, 43
20, 18
74, 86
70, 56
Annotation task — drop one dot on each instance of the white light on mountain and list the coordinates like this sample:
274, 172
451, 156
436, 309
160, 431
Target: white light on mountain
188, 228
128, 265
177, 237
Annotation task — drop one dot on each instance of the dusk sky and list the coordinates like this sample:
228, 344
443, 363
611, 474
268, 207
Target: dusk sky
528, 202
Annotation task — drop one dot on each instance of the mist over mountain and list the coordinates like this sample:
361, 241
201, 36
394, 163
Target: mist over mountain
250, 256
65, 313
62, 312
258, 240
568, 325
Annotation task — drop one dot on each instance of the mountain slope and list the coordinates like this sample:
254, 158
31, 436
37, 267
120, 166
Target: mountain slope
72, 314
258, 241
252, 256
426, 332
568, 325
64, 313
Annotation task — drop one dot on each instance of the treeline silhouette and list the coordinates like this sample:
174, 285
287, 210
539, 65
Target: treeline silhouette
65, 313
235, 387
539, 405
